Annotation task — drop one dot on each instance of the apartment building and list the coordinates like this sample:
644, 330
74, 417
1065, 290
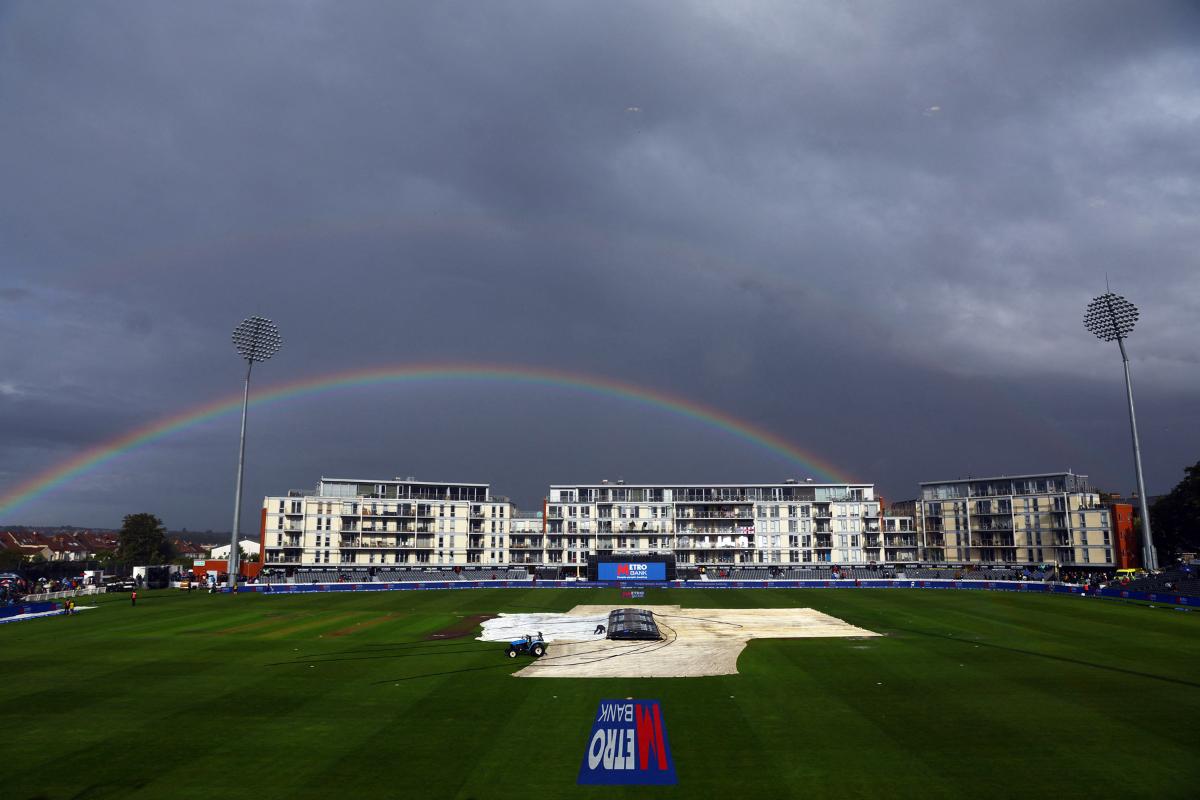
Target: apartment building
899, 541
1022, 519
1015, 519
713, 525
386, 522
526, 538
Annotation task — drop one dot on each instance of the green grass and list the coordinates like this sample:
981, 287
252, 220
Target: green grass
971, 694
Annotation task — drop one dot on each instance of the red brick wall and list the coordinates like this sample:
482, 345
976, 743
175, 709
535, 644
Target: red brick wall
1128, 547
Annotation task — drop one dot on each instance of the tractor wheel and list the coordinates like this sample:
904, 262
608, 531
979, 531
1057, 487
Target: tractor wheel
538, 650
511, 652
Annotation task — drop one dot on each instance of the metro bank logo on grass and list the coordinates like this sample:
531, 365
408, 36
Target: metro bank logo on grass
632, 571
628, 745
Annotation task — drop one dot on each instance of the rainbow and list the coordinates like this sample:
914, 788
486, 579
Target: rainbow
104, 452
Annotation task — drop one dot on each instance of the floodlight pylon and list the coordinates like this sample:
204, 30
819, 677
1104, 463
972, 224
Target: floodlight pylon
256, 339
1110, 317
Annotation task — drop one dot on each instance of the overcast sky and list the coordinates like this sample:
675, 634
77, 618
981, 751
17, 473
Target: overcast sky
868, 227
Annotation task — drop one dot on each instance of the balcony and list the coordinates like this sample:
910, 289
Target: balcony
743, 512
367, 544
711, 497
903, 541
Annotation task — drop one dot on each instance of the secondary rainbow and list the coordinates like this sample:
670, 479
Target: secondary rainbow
104, 452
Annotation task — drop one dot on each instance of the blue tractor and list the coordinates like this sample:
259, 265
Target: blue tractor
528, 646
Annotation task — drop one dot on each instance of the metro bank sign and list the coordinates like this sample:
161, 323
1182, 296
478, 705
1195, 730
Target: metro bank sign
631, 571
628, 745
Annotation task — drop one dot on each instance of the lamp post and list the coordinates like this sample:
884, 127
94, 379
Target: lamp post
256, 339
1111, 317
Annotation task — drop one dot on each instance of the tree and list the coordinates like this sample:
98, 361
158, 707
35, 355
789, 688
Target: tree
1175, 518
9, 560
143, 540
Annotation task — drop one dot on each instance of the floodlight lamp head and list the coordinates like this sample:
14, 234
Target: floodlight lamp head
1110, 317
257, 339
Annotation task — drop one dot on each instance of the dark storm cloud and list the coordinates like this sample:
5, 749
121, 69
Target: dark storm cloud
868, 227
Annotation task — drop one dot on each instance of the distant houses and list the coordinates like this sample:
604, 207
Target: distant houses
28, 545
31, 545
79, 546
188, 550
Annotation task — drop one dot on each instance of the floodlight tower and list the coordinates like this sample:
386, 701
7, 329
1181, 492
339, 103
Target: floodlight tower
256, 339
1110, 316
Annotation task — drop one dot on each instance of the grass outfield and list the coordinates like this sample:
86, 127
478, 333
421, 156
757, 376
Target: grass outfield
972, 694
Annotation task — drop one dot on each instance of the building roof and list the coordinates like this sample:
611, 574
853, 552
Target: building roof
1025, 476
186, 548
623, 485
66, 543
26, 540
96, 542
410, 481
249, 545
